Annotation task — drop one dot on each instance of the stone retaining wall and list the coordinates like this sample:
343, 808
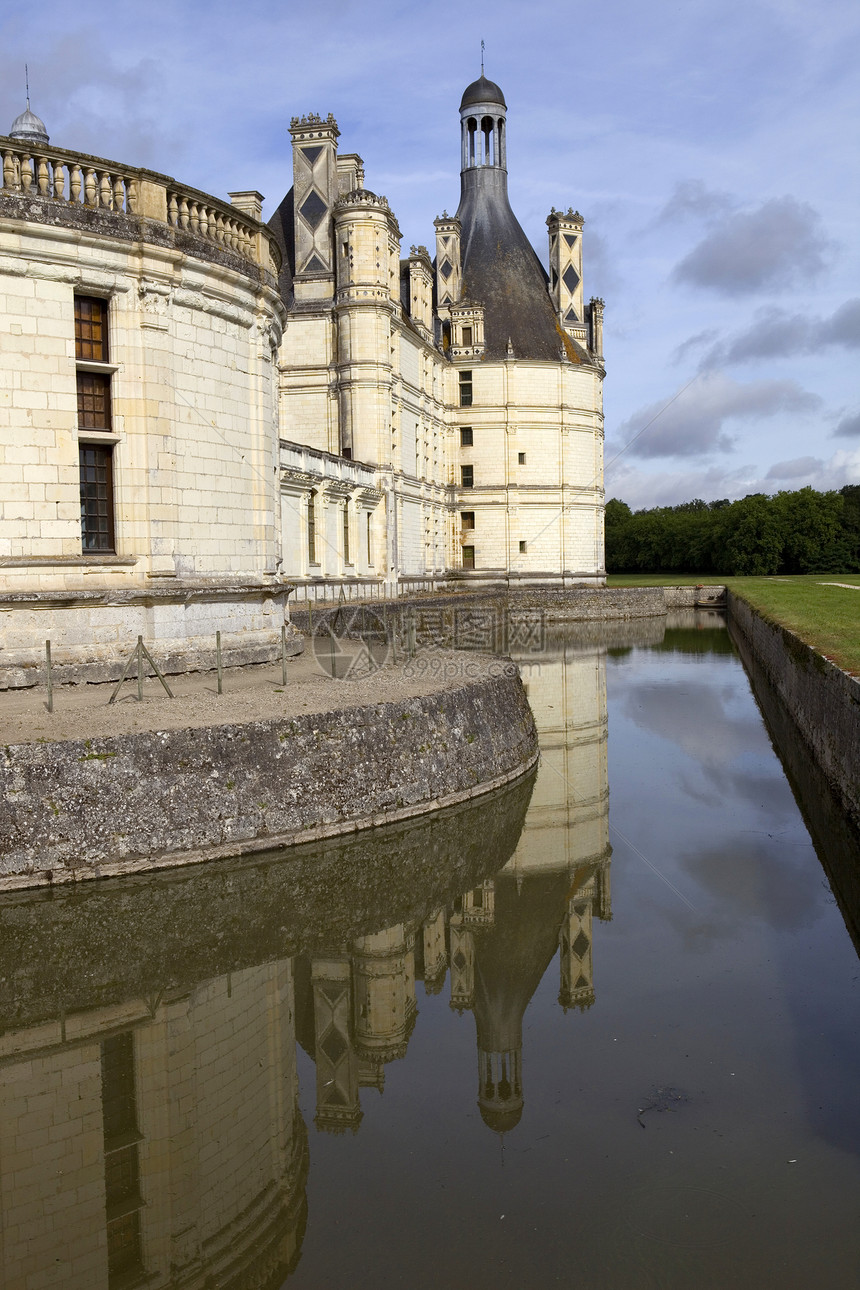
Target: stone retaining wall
823, 701
84, 809
92, 633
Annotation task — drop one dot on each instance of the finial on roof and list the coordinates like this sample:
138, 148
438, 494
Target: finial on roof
28, 127
482, 58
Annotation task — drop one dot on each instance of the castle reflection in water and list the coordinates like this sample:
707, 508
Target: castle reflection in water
149, 1119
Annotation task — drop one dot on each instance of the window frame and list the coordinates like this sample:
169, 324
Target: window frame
94, 394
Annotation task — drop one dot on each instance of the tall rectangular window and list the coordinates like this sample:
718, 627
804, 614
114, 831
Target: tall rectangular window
465, 389
466, 439
467, 519
346, 559
96, 472
468, 557
369, 540
467, 335
467, 477
94, 418
312, 528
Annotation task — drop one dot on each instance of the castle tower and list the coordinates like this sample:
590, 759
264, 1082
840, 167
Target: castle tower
338, 1103
565, 271
384, 1008
315, 189
500, 269
448, 277
368, 293
525, 387
576, 988
435, 952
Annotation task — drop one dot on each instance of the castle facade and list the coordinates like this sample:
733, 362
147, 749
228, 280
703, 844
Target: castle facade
201, 412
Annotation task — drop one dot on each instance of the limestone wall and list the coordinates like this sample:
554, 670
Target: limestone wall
193, 428
92, 633
823, 700
83, 809
537, 462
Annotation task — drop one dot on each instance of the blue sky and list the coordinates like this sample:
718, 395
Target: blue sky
712, 149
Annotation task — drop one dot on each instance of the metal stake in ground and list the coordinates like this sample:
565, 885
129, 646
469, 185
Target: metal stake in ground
139, 652
50, 680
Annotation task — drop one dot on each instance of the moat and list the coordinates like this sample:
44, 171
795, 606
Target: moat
599, 1027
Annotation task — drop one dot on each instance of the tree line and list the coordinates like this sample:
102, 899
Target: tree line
792, 532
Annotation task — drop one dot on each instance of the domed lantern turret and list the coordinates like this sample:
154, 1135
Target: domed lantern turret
482, 125
28, 127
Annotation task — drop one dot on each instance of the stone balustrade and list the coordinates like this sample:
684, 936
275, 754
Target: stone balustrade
298, 459
92, 183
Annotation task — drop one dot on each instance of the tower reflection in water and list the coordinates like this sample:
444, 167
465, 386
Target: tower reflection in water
356, 1007
149, 1120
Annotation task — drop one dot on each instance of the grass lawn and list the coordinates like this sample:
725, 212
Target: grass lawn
826, 617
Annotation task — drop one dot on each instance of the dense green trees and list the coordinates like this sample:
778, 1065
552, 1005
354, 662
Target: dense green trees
798, 532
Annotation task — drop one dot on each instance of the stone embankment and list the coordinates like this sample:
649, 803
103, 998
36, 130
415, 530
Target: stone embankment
88, 807
824, 701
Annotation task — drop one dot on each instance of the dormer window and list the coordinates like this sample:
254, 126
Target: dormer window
467, 335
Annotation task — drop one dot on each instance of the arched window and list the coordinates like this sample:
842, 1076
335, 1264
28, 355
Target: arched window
471, 127
487, 132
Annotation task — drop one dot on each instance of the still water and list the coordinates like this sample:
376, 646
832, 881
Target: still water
598, 1029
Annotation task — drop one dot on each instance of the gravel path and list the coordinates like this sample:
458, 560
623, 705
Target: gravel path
250, 694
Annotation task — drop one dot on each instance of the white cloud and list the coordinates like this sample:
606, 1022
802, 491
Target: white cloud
798, 468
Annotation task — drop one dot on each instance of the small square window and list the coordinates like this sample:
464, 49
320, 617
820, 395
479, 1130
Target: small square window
521, 458
466, 439
468, 557
467, 519
467, 477
522, 548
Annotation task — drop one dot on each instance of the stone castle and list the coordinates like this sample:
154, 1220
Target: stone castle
201, 412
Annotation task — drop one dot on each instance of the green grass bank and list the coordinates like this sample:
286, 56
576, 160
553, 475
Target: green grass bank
825, 615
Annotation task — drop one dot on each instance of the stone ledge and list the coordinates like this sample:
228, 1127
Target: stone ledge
87, 809
824, 701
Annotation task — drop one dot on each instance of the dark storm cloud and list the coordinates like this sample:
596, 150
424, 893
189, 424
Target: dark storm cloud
773, 247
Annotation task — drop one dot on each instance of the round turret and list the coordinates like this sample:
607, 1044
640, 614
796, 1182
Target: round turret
28, 127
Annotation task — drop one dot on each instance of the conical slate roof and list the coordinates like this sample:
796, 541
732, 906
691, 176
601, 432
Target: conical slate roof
502, 272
